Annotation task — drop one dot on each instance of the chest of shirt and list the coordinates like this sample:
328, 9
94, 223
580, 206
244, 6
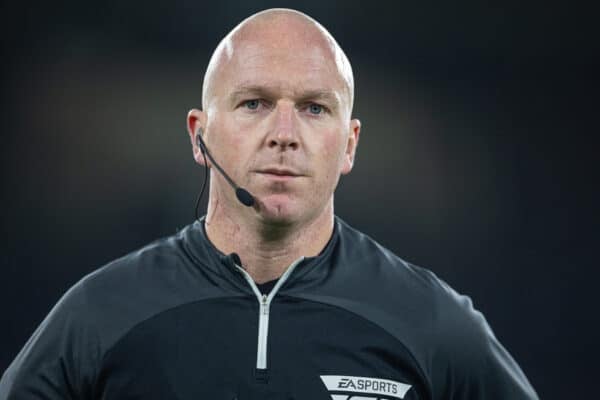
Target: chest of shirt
216, 349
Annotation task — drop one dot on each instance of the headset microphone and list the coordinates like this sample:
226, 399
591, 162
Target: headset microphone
242, 194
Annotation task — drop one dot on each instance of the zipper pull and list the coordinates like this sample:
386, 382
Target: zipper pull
264, 304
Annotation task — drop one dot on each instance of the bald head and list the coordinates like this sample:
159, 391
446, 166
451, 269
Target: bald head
283, 32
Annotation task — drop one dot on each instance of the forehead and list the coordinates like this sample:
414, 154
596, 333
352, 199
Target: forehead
285, 68
286, 54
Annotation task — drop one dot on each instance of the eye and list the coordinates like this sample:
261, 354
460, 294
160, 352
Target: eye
315, 109
252, 104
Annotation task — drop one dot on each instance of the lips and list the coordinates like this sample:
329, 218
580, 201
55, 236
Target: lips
282, 172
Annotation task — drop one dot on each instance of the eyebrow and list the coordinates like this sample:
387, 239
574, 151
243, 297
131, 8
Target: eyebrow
327, 96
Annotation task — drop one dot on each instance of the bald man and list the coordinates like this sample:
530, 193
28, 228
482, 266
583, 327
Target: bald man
270, 295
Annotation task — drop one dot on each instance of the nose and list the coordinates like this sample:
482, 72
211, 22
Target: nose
284, 132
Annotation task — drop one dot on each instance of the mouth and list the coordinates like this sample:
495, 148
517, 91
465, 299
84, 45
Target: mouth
279, 173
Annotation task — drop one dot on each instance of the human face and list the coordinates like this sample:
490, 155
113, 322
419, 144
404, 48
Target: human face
279, 123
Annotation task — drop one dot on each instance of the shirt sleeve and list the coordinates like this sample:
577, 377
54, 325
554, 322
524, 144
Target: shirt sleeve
471, 363
58, 361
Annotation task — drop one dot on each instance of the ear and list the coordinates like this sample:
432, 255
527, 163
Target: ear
196, 121
351, 146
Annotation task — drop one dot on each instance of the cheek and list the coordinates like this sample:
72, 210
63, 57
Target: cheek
234, 143
333, 151
330, 163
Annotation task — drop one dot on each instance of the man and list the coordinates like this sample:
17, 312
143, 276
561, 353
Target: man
270, 296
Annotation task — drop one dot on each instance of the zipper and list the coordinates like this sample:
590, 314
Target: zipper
263, 330
264, 302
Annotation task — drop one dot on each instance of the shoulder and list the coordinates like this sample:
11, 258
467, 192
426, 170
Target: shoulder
68, 346
401, 286
385, 274
110, 301
160, 256
131, 289
451, 340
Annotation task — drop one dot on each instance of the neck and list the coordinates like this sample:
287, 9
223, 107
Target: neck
266, 250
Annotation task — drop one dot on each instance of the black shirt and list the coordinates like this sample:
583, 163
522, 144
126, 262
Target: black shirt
178, 320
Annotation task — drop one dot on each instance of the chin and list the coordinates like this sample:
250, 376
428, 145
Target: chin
279, 211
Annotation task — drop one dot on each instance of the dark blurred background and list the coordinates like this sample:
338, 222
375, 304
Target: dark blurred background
476, 157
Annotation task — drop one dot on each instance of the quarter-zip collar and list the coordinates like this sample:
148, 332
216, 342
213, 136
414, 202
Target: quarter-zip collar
224, 267
227, 271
